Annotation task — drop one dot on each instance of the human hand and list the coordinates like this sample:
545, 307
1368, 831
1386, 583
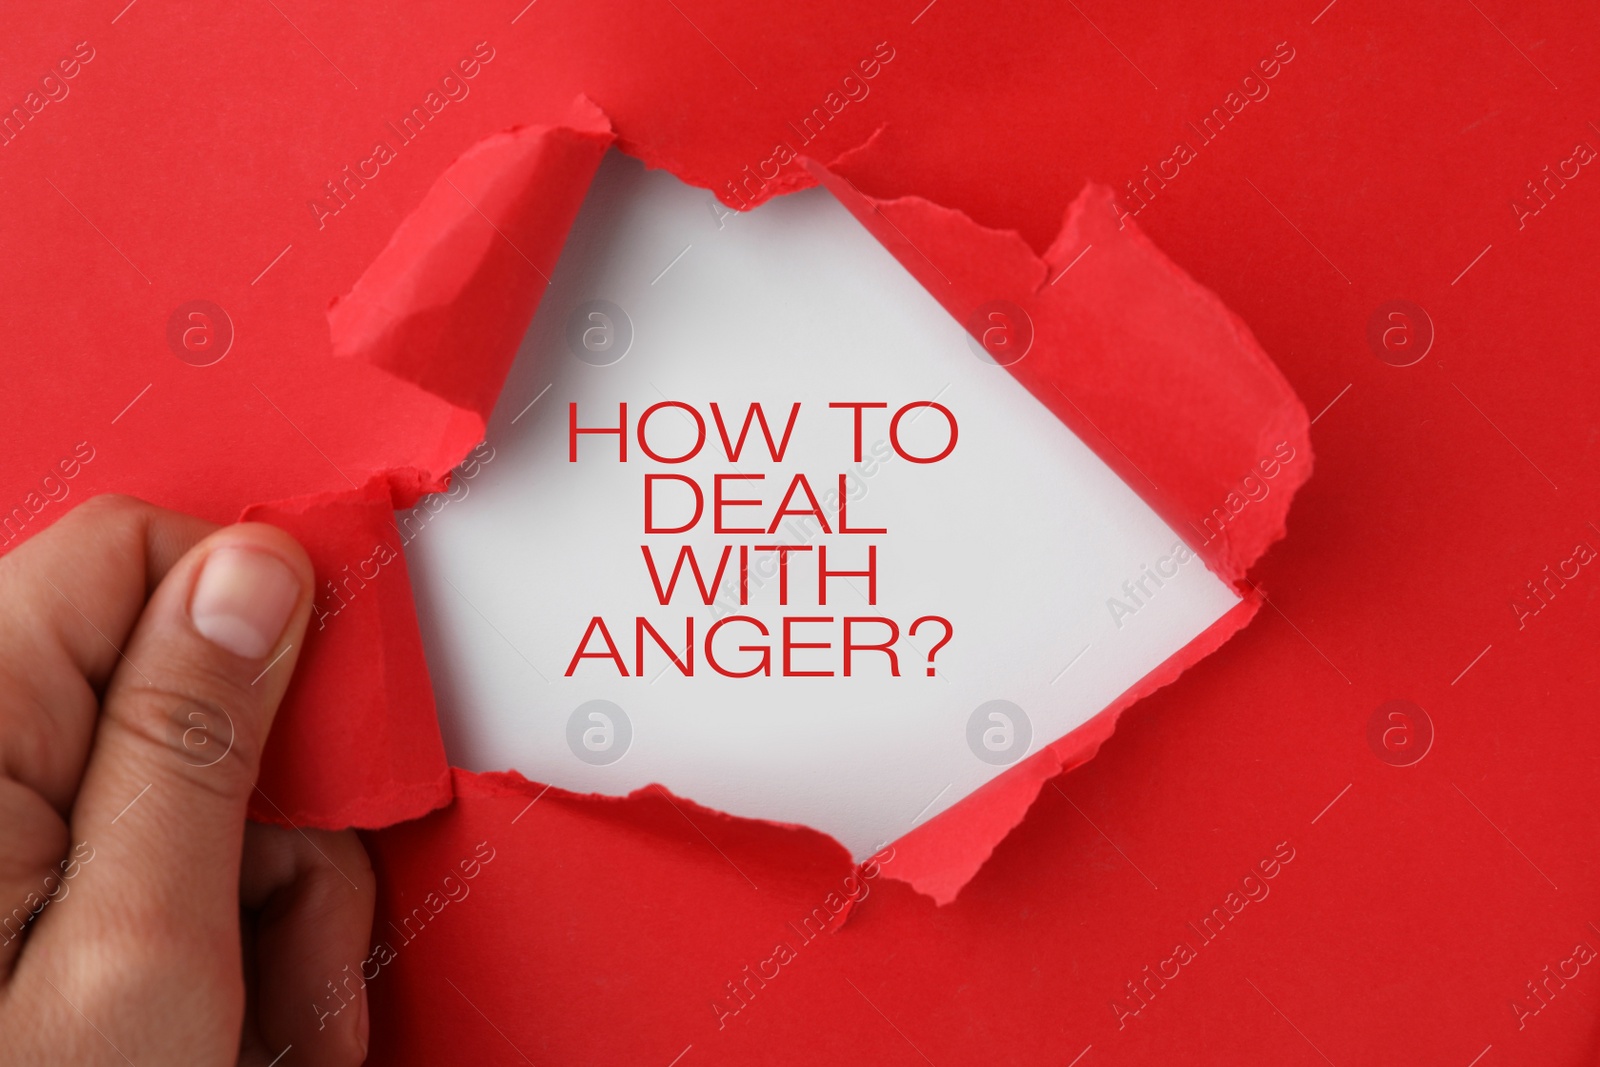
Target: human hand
143, 654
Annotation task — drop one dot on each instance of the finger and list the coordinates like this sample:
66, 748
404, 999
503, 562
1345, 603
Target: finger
72, 594
33, 841
174, 760
312, 895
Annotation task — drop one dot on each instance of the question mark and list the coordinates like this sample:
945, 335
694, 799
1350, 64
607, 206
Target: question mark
948, 632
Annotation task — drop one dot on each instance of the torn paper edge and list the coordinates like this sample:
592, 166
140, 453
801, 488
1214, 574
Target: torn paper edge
398, 318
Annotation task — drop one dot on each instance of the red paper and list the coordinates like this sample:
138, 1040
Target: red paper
1386, 161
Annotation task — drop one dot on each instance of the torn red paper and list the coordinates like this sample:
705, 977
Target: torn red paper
1143, 364
1156, 375
443, 308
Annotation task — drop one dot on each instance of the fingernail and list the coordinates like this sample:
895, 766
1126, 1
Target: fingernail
363, 1026
242, 600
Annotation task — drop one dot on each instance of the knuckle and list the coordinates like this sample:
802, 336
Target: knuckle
212, 743
113, 503
118, 508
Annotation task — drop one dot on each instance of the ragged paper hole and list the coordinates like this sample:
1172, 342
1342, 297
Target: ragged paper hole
916, 574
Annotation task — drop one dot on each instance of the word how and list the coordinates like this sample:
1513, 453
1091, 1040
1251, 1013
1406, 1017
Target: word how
342, 188
1140, 191
1252, 889
52, 90
754, 413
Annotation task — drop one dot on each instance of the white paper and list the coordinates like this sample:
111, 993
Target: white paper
1022, 538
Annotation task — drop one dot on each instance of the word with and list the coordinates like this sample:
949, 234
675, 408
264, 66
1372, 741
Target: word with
829, 916
54, 89
1152, 981
1251, 490
1553, 581
752, 185
1538, 197
453, 890
1121, 609
55, 490
344, 186
789, 643
1540, 995
21, 917
1141, 191
687, 554
414, 521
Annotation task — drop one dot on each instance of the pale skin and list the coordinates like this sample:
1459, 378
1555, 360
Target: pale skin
143, 920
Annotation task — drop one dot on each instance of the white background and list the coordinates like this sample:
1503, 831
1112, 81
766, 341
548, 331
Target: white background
1019, 537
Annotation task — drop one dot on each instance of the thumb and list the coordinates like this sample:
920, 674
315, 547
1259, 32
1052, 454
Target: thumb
175, 756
